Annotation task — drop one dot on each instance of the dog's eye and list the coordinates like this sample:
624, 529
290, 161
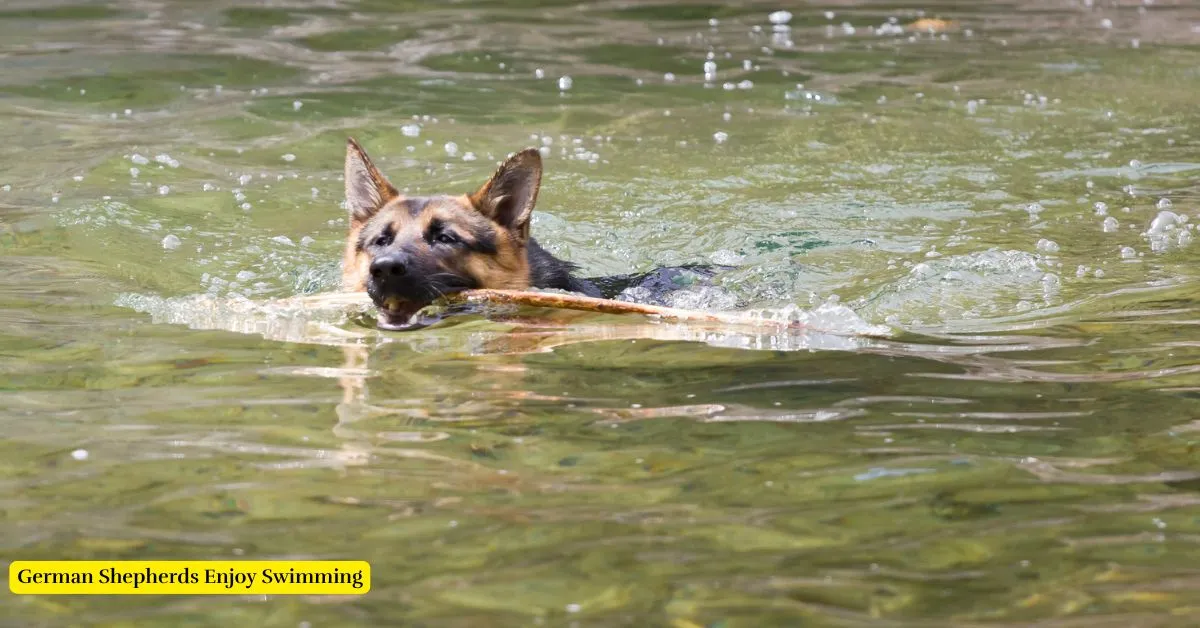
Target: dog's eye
383, 240
445, 238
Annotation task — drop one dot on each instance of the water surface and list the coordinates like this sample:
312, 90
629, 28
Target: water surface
1009, 193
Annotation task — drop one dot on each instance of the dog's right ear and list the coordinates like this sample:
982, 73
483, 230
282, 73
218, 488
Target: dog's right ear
366, 188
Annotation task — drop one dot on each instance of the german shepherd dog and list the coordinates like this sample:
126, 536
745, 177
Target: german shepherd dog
407, 251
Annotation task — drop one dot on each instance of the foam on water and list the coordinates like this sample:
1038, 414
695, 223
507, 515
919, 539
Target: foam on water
967, 286
830, 316
283, 320
333, 319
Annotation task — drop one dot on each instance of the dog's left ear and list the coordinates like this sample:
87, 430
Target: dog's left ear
367, 189
508, 197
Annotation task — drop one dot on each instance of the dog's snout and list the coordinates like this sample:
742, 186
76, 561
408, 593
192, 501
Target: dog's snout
389, 266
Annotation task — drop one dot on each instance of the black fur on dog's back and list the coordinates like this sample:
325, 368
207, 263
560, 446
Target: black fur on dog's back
547, 271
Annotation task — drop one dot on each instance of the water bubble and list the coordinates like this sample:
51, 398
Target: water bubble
246, 275
1127, 252
710, 70
468, 156
6, 187
669, 77
1164, 203
1050, 284
80, 454
171, 242
780, 17
727, 116
972, 107
565, 83
539, 73
139, 160
574, 608
410, 130
544, 151
1047, 246
720, 137
133, 172
164, 190
451, 148
244, 179
288, 157
245, 206
77, 178
745, 84
1034, 209
829, 15
282, 239
713, 22
1163, 221
296, 105
1106, 23
208, 187
1101, 208
1110, 225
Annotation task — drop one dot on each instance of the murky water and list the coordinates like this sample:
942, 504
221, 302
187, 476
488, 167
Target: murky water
1011, 194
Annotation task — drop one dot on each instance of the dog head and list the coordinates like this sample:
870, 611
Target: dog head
408, 251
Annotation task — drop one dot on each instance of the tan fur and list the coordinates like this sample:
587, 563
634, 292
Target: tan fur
355, 263
507, 269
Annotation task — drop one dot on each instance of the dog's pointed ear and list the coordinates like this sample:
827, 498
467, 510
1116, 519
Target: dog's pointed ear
366, 188
509, 196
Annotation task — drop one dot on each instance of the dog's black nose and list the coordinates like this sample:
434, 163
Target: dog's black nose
388, 266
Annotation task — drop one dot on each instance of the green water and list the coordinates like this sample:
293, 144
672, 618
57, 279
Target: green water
1020, 450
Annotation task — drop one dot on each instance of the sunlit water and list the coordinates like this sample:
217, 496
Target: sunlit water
987, 224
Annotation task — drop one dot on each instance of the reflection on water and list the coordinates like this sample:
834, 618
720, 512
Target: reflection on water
1007, 190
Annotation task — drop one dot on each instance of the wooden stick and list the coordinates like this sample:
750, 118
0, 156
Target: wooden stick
609, 306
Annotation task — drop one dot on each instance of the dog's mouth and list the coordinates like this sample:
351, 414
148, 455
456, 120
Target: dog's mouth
400, 315
396, 313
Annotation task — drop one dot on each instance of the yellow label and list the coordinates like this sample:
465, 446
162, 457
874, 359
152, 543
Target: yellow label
189, 577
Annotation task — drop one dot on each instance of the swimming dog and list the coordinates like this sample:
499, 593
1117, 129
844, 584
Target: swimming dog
408, 251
